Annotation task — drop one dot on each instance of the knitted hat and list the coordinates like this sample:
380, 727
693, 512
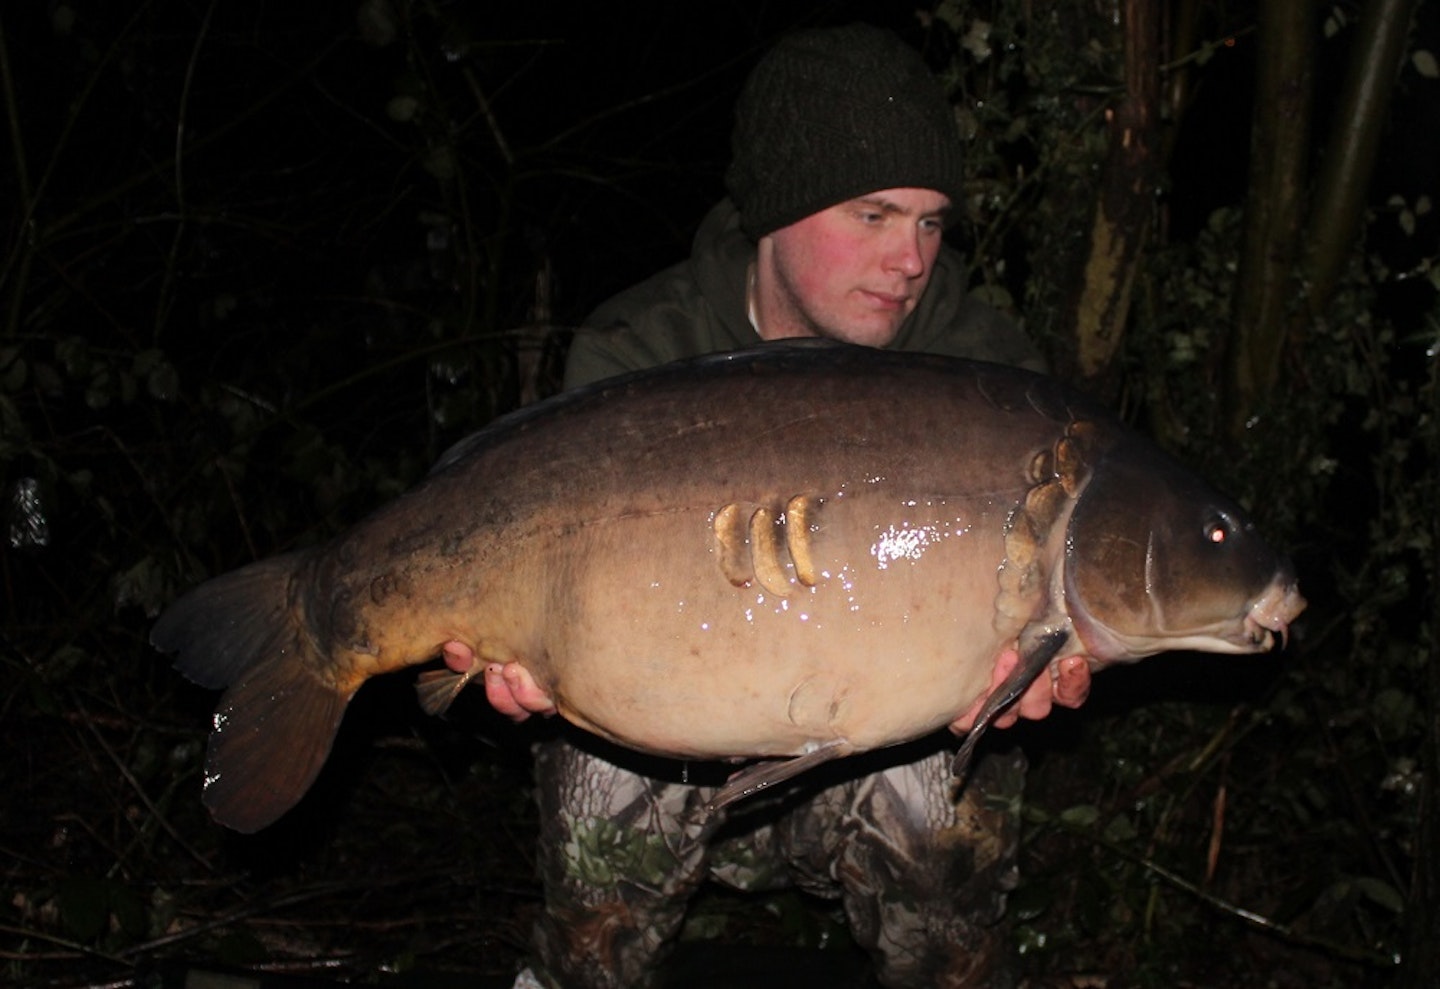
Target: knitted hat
835, 113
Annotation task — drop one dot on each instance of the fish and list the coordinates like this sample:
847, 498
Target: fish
778, 557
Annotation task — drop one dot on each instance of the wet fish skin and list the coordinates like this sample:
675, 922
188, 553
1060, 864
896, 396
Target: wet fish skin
792, 553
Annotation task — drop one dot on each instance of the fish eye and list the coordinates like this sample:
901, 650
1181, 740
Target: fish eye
1217, 530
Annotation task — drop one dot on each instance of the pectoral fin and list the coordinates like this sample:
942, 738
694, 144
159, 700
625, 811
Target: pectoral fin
437, 689
762, 775
1032, 664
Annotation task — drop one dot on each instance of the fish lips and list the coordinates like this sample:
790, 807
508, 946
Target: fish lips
1253, 629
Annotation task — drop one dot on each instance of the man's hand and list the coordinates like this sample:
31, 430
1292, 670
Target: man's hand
513, 692
1067, 685
509, 687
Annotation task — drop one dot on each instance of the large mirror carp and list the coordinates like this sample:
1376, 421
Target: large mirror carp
792, 553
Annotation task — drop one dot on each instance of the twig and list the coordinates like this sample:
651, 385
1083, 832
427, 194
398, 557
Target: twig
12, 110
73, 948
21, 251
213, 136
1207, 49
165, 296
1258, 921
995, 230
139, 790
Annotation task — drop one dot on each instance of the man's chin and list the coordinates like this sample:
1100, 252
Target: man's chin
864, 333
863, 336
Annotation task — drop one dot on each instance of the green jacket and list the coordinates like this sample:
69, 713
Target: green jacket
698, 307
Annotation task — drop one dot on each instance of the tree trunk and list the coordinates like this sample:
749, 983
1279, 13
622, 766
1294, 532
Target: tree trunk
1124, 209
1274, 209
1421, 959
1360, 117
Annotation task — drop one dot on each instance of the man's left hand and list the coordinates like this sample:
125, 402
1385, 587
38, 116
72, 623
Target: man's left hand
1068, 685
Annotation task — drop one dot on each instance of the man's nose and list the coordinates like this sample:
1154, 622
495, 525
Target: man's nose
904, 253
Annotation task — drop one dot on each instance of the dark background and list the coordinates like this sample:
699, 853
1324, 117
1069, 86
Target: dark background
263, 262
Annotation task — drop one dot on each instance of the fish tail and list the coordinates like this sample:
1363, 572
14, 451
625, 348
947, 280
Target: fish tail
278, 717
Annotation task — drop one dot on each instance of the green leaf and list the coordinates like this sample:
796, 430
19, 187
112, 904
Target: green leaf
1080, 816
1120, 829
1380, 892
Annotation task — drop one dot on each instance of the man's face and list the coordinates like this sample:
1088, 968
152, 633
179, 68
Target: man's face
852, 272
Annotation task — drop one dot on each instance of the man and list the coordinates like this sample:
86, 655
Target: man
846, 164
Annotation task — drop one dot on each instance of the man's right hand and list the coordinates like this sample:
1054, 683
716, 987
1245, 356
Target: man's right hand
513, 692
509, 687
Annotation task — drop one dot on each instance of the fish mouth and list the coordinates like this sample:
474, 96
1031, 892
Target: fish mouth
1272, 613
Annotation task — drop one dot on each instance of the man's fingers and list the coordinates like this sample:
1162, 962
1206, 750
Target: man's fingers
1071, 681
1005, 664
458, 656
1066, 684
509, 687
527, 693
500, 695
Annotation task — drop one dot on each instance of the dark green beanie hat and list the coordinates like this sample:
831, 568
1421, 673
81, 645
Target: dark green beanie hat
835, 113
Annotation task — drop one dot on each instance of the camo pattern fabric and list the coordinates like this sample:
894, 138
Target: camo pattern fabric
922, 876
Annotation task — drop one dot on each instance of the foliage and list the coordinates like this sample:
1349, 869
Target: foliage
266, 264
1282, 814
244, 302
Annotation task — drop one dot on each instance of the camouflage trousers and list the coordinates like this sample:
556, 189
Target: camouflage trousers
922, 876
